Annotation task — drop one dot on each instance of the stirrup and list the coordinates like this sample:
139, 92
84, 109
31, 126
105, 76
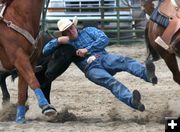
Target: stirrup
161, 42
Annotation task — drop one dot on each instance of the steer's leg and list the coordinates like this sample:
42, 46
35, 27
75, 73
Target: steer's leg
45, 83
57, 65
5, 93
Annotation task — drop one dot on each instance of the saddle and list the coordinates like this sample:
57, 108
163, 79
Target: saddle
171, 10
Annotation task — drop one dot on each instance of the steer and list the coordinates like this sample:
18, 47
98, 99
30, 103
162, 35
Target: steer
52, 66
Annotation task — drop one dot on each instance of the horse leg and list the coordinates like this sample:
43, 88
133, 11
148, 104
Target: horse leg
151, 52
172, 64
25, 69
22, 98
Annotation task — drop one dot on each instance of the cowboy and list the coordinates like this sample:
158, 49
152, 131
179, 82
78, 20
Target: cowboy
98, 65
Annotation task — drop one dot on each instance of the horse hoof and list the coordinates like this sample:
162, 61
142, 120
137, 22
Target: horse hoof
150, 72
20, 120
49, 110
20, 114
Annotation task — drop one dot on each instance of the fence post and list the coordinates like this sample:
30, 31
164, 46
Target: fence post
118, 20
44, 11
102, 14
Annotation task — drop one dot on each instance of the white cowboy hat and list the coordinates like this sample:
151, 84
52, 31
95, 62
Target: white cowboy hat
63, 24
175, 3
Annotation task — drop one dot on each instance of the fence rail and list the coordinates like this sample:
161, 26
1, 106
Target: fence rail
119, 27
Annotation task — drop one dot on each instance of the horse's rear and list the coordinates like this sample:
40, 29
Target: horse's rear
153, 30
20, 52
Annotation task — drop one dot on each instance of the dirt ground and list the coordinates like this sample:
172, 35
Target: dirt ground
91, 108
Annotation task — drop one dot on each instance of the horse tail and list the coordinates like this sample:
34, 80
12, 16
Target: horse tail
152, 54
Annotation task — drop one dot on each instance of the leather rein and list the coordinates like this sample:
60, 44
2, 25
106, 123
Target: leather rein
18, 29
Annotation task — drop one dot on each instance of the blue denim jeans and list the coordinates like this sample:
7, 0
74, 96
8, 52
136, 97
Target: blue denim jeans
101, 72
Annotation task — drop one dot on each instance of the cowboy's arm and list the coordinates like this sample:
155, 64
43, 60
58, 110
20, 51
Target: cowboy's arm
101, 40
50, 47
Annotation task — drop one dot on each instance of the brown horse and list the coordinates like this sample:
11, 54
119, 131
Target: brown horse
20, 46
152, 31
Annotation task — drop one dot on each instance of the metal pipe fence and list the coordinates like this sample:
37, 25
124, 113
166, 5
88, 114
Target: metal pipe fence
122, 28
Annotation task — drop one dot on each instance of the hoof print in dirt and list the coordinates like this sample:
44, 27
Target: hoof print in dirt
63, 116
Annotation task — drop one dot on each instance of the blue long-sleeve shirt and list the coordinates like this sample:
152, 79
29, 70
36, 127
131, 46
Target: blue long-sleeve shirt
91, 38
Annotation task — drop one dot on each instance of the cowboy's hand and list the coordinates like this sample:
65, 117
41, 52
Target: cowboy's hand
63, 40
81, 52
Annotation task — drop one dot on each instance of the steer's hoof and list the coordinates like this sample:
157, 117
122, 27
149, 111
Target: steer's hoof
49, 110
